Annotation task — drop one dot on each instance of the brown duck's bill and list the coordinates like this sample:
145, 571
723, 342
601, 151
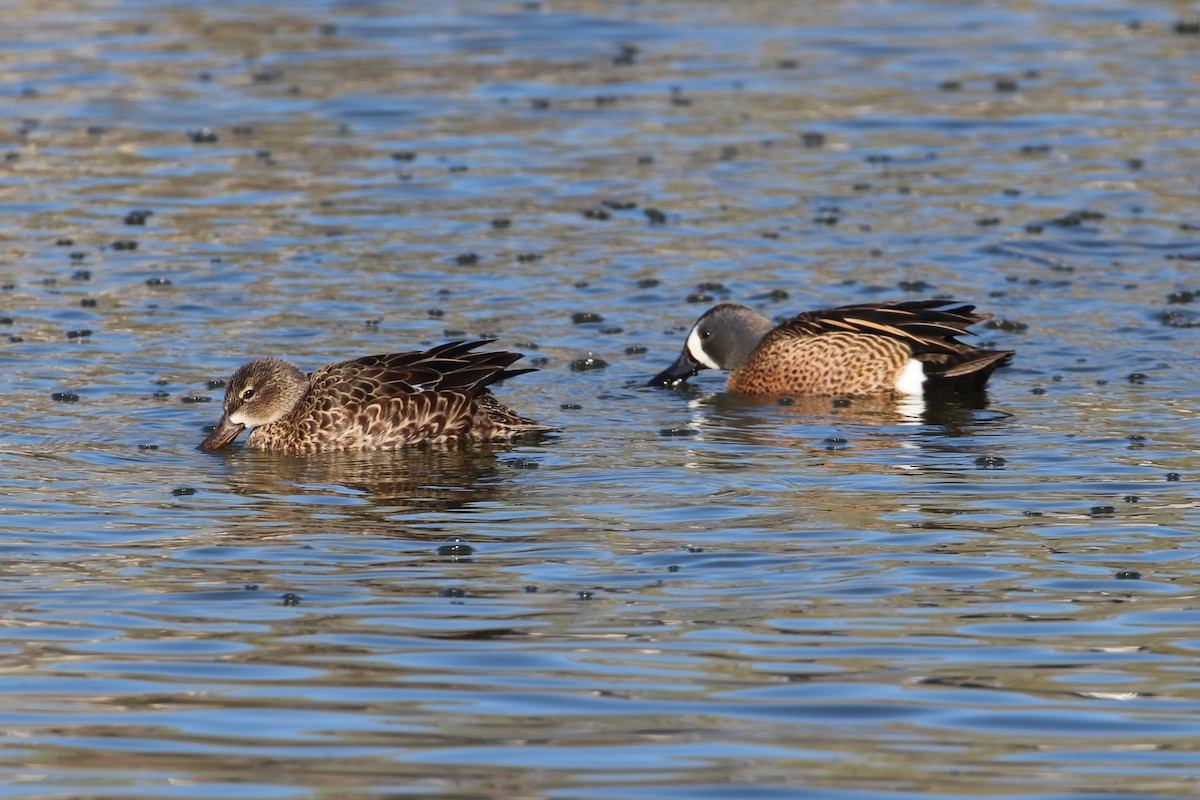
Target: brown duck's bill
223, 434
684, 367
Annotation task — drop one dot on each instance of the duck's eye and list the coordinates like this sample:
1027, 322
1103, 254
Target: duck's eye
248, 393
705, 334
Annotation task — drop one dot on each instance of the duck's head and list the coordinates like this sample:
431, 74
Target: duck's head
723, 338
259, 393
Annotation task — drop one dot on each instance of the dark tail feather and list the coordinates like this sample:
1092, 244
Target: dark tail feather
970, 374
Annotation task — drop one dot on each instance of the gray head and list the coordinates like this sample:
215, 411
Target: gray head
259, 393
723, 338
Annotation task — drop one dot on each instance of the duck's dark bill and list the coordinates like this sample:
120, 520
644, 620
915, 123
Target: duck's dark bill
684, 367
223, 434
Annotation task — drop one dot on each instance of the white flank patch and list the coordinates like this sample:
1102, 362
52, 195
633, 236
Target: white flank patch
912, 379
695, 348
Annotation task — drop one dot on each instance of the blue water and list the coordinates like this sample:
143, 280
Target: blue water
681, 594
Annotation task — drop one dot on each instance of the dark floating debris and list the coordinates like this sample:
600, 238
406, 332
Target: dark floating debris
596, 213
158, 281
79, 333
812, 139
1174, 476
195, 398
1007, 325
213, 383
1175, 318
138, 217
1136, 378
529, 589
1188, 26
290, 599
635, 349
655, 216
571, 407
1102, 511
1077, 218
1181, 296
520, 463
835, 443
584, 317
619, 205
501, 222
203, 136
588, 363
678, 431
125, 244
466, 259
183, 491
990, 462
1128, 575
585, 595
65, 397
455, 546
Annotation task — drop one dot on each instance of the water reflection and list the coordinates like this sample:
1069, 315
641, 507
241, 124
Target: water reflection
423, 477
756, 419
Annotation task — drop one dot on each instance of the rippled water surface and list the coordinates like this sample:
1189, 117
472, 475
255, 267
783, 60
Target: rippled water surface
682, 593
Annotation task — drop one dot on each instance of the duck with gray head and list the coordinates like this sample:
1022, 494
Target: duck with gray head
377, 402
908, 348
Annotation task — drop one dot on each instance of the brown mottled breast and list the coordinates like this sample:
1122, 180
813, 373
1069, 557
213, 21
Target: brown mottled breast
826, 364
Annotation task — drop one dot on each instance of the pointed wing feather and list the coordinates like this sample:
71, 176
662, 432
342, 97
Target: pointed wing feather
451, 366
928, 326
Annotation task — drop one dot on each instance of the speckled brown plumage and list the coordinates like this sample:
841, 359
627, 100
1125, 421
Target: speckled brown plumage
386, 401
827, 364
850, 350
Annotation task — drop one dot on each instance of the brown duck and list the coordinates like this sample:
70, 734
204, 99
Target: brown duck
376, 402
909, 348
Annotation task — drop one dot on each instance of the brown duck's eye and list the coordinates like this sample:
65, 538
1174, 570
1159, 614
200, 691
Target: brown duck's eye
247, 393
